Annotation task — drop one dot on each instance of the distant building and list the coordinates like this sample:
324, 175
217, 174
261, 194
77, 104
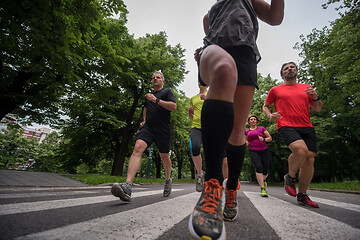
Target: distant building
38, 134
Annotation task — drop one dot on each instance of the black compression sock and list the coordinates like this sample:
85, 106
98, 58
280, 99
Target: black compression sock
235, 156
217, 119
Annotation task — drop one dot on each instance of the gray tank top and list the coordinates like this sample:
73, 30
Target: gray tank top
233, 23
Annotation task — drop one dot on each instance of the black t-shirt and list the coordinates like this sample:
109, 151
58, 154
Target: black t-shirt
157, 117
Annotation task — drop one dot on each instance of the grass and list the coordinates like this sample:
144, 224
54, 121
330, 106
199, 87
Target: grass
95, 179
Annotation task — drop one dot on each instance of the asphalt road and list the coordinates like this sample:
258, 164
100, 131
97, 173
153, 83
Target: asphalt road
93, 213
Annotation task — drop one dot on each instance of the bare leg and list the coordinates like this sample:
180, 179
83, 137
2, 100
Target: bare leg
297, 157
306, 172
225, 168
197, 160
167, 164
135, 160
260, 179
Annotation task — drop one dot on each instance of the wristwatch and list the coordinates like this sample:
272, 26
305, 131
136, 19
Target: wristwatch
317, 99
157, 100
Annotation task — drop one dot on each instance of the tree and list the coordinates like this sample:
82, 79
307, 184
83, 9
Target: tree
331, 63
14, 148
43, 44
104, 108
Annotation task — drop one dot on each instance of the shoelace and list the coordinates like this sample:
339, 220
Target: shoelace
212, 193
230, 197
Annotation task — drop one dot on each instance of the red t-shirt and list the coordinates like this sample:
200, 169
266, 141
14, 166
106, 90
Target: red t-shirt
293, 104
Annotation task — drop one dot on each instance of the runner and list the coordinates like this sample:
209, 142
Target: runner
155, 128
196, 103
227, 64
292, 116
256, 138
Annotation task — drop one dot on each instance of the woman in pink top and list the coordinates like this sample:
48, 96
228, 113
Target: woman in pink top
256, 138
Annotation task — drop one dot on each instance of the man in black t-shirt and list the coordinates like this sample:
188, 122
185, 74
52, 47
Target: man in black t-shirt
155, 128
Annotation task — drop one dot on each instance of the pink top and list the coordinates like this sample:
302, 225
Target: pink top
253, 138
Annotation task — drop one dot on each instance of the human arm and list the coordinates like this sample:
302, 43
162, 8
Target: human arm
267, 137
272, 116
144, 117
168, 105
206, 24
316, 104
191, 112
272, 14
246, 140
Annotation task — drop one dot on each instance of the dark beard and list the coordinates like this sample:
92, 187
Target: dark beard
291, 75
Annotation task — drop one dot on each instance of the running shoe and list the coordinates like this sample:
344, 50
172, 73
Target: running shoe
265, 184
304, 199
290, 185
206, 221
122, 191
231, 204
200, 182
263, 192
167, 187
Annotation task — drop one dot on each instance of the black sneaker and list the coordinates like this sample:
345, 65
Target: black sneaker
122, 191
206, 221
304, 199
289, 185
167, 187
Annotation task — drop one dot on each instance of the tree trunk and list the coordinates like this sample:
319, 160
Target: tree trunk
120, 152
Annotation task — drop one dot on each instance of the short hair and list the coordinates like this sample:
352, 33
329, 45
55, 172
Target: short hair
257, 118
287, 64
162, 75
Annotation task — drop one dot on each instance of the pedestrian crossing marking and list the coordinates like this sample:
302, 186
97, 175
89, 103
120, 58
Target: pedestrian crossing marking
146, 222
292, 221
14, 208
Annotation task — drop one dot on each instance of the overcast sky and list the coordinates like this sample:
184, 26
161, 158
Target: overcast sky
182, 22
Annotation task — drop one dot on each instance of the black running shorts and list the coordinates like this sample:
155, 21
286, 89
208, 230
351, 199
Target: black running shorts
292, 134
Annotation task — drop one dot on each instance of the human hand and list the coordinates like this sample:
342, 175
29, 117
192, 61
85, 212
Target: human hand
196, 54
261, 138
151, 97
191, 112
142, 124
202, 96
275, 116
311, 93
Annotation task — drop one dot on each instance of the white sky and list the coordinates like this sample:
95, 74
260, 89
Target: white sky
182, 22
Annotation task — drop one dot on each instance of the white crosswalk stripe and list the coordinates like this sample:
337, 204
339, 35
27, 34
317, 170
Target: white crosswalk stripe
121, 225
54, 204
293, 222
152, 218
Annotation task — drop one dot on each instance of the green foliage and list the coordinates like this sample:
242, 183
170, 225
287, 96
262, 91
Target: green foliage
14, 148
43, 44
331, 63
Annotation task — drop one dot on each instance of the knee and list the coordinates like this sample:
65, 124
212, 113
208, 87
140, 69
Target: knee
225, 70
301, 152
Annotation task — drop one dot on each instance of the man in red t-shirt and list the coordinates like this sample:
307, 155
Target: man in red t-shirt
292, 115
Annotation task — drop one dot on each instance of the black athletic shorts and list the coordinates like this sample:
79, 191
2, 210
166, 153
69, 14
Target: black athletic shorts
245, 60
162, 140
292, 134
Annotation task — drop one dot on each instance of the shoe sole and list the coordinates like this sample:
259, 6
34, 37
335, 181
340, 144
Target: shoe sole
264, 195
307, 205
117, 191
